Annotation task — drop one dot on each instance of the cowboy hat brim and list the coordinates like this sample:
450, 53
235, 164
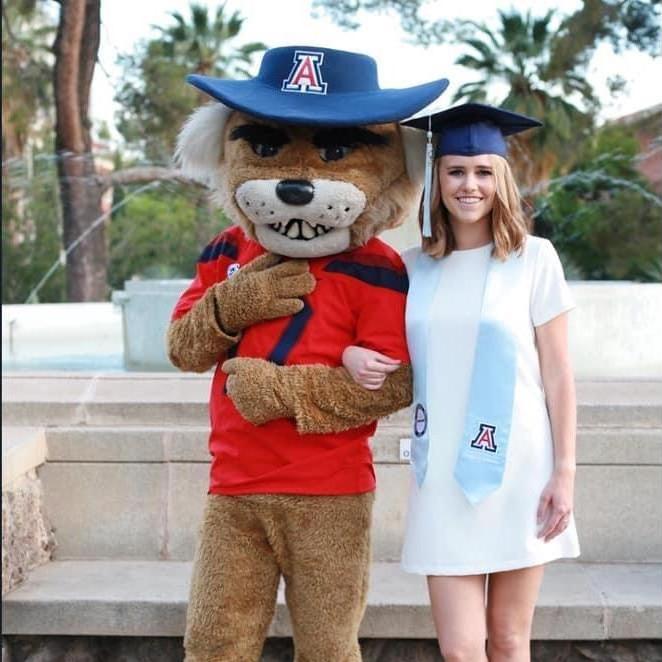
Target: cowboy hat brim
258, 99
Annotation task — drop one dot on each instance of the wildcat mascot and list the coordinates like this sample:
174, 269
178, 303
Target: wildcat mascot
308, 161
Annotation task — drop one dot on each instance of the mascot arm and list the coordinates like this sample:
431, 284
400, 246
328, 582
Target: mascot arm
321, 399
263, 289
197, 341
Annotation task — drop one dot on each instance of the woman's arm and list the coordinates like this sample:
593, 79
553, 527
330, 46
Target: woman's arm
556, 501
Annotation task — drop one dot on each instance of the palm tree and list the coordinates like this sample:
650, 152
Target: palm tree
519, 54
201, 43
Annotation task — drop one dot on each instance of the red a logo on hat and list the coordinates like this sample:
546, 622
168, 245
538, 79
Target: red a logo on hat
305, 76
485, 438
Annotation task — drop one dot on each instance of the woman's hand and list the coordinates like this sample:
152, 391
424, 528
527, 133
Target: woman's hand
367, 367
556, 502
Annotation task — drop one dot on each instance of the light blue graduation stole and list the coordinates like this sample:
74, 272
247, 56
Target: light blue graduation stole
422, 287
484, 443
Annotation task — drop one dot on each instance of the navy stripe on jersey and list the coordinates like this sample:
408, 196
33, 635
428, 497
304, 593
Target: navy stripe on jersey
291, 335
373, 275
216, 248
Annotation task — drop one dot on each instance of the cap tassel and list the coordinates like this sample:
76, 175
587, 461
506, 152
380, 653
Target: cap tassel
429, 158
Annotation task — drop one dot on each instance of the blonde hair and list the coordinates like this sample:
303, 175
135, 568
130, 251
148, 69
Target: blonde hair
508, 223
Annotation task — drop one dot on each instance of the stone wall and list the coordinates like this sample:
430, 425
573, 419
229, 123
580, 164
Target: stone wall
27, 538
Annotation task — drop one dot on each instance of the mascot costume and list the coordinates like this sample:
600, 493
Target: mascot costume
308, 161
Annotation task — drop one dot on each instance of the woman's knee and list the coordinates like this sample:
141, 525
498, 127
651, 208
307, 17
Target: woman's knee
507, 643
460, 649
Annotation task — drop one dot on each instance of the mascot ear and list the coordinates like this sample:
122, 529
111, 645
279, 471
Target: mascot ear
200, 142
413, 141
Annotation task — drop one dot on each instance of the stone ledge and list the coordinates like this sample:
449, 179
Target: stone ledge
595, 445
179, 399
23, 449
577, 601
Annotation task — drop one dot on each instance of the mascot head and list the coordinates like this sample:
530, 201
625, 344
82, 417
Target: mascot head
308, 157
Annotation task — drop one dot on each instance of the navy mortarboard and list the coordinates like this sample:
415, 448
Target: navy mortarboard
318, 86
467, 130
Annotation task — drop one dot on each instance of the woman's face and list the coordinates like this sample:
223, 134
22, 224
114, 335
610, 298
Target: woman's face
468, 187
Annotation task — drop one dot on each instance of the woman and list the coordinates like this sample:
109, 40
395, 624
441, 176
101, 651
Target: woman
487, 333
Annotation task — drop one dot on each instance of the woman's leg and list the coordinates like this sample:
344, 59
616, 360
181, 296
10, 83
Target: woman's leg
511, 600
458, 610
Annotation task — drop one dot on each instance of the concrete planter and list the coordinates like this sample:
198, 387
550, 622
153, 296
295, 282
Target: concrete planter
146, 308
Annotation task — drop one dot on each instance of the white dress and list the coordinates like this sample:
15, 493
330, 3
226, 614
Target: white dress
445, 533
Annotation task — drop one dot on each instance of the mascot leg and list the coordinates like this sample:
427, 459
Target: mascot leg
326, 566
234, 585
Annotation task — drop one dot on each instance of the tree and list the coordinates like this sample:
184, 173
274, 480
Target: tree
26, 70
602, 217
154, 102
76, 47
202, 42
153, 98
519, 55
624, 23
31, 232
160, 234
29, 238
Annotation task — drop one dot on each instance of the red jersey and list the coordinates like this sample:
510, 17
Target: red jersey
359, 299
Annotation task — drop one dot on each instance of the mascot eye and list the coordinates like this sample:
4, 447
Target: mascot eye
263, 149
335, 152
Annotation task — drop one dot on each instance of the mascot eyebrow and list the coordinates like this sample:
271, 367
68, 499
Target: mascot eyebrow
349, 136
260, 134
269, 135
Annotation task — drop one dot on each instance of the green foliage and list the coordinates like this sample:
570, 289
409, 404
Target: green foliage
27, 36
602, 218
160, 234
622, 23
154, 99
518, 54
31, 232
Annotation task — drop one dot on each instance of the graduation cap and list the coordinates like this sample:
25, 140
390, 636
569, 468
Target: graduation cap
466, 130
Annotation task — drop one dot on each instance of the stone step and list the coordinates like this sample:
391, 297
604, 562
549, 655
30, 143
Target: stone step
181, 399
155, 479
153, 510
175, 443
578, 601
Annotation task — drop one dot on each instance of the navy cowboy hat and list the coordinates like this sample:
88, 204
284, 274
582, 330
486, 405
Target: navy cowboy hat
318, 86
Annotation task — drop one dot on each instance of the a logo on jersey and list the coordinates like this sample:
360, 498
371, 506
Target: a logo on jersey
485, 438
306, 74
233, 268
420, 421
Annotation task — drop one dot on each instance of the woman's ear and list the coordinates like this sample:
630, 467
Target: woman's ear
200, 142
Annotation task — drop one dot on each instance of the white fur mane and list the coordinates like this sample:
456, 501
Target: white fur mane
200, 142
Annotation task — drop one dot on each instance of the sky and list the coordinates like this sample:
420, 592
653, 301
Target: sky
289, 22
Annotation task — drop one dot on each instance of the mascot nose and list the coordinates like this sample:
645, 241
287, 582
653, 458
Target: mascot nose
295, 191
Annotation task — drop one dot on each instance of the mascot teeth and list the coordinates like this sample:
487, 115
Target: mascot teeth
297, 228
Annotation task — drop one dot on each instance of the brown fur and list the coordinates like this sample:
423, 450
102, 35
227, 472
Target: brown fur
319, 544
321, 399
196, 342
379, 171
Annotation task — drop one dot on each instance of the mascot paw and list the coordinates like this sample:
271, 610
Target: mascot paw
264, 289
256, 387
